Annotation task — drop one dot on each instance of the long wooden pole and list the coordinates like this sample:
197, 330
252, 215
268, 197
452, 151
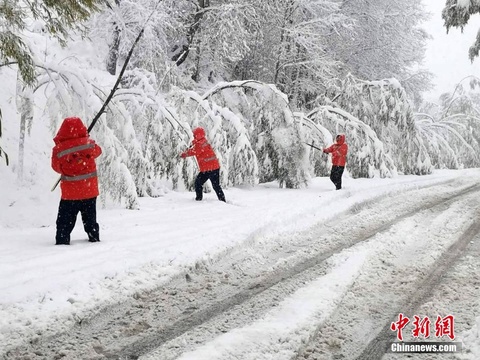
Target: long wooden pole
313, 146
112, 92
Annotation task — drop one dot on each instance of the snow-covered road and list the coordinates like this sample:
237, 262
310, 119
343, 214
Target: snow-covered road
329, 289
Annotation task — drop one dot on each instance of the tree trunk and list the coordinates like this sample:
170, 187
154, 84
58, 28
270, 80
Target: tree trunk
284, 38
114, 47
2, 152
182, 55
113, 51
25, 107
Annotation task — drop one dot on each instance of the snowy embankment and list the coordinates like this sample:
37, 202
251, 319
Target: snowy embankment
46, 288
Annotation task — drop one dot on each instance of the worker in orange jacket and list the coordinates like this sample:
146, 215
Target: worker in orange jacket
207, 162
73, 157
339, 158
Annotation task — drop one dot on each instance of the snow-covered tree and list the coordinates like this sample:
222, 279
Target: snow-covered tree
69, 90
206, 49
387, 41
57, 17
378, 120
262, 77
385, 106
274, 134
25, 107
367, 156
456, 13
289, 49
161, 135
450, 129
227, 132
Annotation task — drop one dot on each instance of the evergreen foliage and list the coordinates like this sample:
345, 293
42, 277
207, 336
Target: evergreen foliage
456, 13
57, 17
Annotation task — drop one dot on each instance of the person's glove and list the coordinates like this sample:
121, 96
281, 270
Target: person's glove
325, 151
183, 156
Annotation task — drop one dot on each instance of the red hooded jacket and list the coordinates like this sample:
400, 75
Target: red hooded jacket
202, 150
74, 157
339, 151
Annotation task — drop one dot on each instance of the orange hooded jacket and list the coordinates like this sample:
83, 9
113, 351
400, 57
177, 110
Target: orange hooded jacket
74, 157
202, 150
338, 150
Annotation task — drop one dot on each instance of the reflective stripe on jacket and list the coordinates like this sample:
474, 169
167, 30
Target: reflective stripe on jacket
79, 177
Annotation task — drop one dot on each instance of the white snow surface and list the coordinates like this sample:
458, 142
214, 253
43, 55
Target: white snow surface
317, 300
43, 286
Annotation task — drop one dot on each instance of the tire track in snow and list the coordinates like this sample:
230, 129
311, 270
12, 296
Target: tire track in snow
168, 349
401, 280
457, 294
263, 284
377, 347
130, 330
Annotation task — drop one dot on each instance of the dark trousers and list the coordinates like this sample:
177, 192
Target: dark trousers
336, 176
202, 178
67, 216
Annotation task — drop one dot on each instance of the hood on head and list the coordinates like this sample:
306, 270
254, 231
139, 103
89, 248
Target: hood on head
71, 128
198, 133
340, 139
